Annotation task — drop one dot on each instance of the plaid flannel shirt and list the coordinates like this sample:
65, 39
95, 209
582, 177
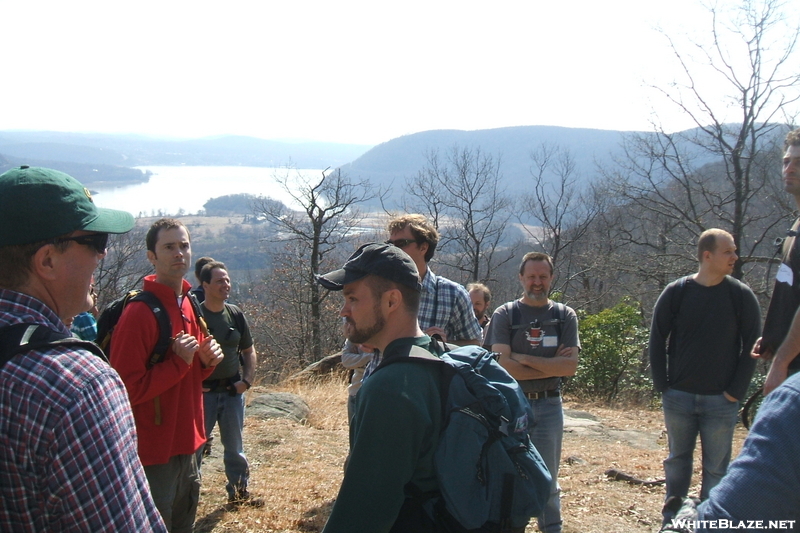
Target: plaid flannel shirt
68, 459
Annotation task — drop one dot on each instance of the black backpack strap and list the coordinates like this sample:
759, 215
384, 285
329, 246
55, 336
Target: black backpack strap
737, 295
238, 319
558, 312
675, 300
21, 338
515, 320
164, 325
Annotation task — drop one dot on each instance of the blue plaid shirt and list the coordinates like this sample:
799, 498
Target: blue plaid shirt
68, 458
446, 304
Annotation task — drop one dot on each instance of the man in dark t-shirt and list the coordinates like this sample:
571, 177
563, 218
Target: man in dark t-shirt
537, 340
704, 326
781, 341
223, 391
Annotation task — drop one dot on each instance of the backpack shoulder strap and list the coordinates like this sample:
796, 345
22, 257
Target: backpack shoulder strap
559, 315
164, 325
239, 321
676, 298
21, 338
737, 295
514, 319
515, 315
238, 316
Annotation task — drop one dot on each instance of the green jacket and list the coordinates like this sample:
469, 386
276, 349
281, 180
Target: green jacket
393, 438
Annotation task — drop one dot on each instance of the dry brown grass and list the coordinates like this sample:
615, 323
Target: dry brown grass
297, 469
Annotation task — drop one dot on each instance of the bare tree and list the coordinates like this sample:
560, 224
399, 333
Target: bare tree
462, 196
564, 208
123, 267
328, 216
718, 174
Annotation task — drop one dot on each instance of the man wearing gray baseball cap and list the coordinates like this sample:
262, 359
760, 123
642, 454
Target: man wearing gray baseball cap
397, 418
69, 454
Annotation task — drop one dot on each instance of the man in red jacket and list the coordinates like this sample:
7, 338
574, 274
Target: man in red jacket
167, 397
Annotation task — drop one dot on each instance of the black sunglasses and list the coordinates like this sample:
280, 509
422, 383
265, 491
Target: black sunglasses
98, 241
400, 243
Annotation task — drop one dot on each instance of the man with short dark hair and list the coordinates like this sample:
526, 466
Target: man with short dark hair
781, 340
68, 454
445, 308
223, 390
704, 326
537, 340
167, 396
397, 422
198, 291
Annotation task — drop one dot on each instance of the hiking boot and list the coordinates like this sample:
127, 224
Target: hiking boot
242, 498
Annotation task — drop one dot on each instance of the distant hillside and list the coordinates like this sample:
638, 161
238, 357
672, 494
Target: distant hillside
134, 150
394, 161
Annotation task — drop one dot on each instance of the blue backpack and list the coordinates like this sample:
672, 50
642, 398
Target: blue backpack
490, 476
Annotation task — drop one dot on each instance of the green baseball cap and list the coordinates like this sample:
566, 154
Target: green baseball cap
37, 204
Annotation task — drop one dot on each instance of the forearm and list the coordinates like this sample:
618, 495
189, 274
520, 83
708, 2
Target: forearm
657, 347
249, 361
466, 342
790, 346
517, 370
565, 363
355, 359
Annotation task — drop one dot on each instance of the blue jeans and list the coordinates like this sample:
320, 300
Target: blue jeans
228, 411
686, 415
546, 433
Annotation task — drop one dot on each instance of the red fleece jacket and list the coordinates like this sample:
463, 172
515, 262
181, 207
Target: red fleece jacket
170, 388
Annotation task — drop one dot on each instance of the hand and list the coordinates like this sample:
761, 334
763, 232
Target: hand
366, 348
436, 331
210, 352
240, 387
756, 353
185, 346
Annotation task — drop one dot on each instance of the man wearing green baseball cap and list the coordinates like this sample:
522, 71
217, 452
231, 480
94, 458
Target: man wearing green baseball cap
69, 451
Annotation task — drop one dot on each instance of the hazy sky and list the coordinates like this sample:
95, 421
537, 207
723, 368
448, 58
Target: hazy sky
348, 71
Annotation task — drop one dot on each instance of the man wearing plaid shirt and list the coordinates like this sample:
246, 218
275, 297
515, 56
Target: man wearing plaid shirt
68, 455
445, 308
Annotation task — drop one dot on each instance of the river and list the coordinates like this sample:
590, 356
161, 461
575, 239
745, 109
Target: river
171, 189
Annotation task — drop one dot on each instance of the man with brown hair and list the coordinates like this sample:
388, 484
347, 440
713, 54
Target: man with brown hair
537, 340
167, 396
781, 340
68, 454
223, 390
445, 308
704, 326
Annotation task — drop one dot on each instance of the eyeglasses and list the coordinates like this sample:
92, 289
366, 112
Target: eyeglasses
98, 241
400, 243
